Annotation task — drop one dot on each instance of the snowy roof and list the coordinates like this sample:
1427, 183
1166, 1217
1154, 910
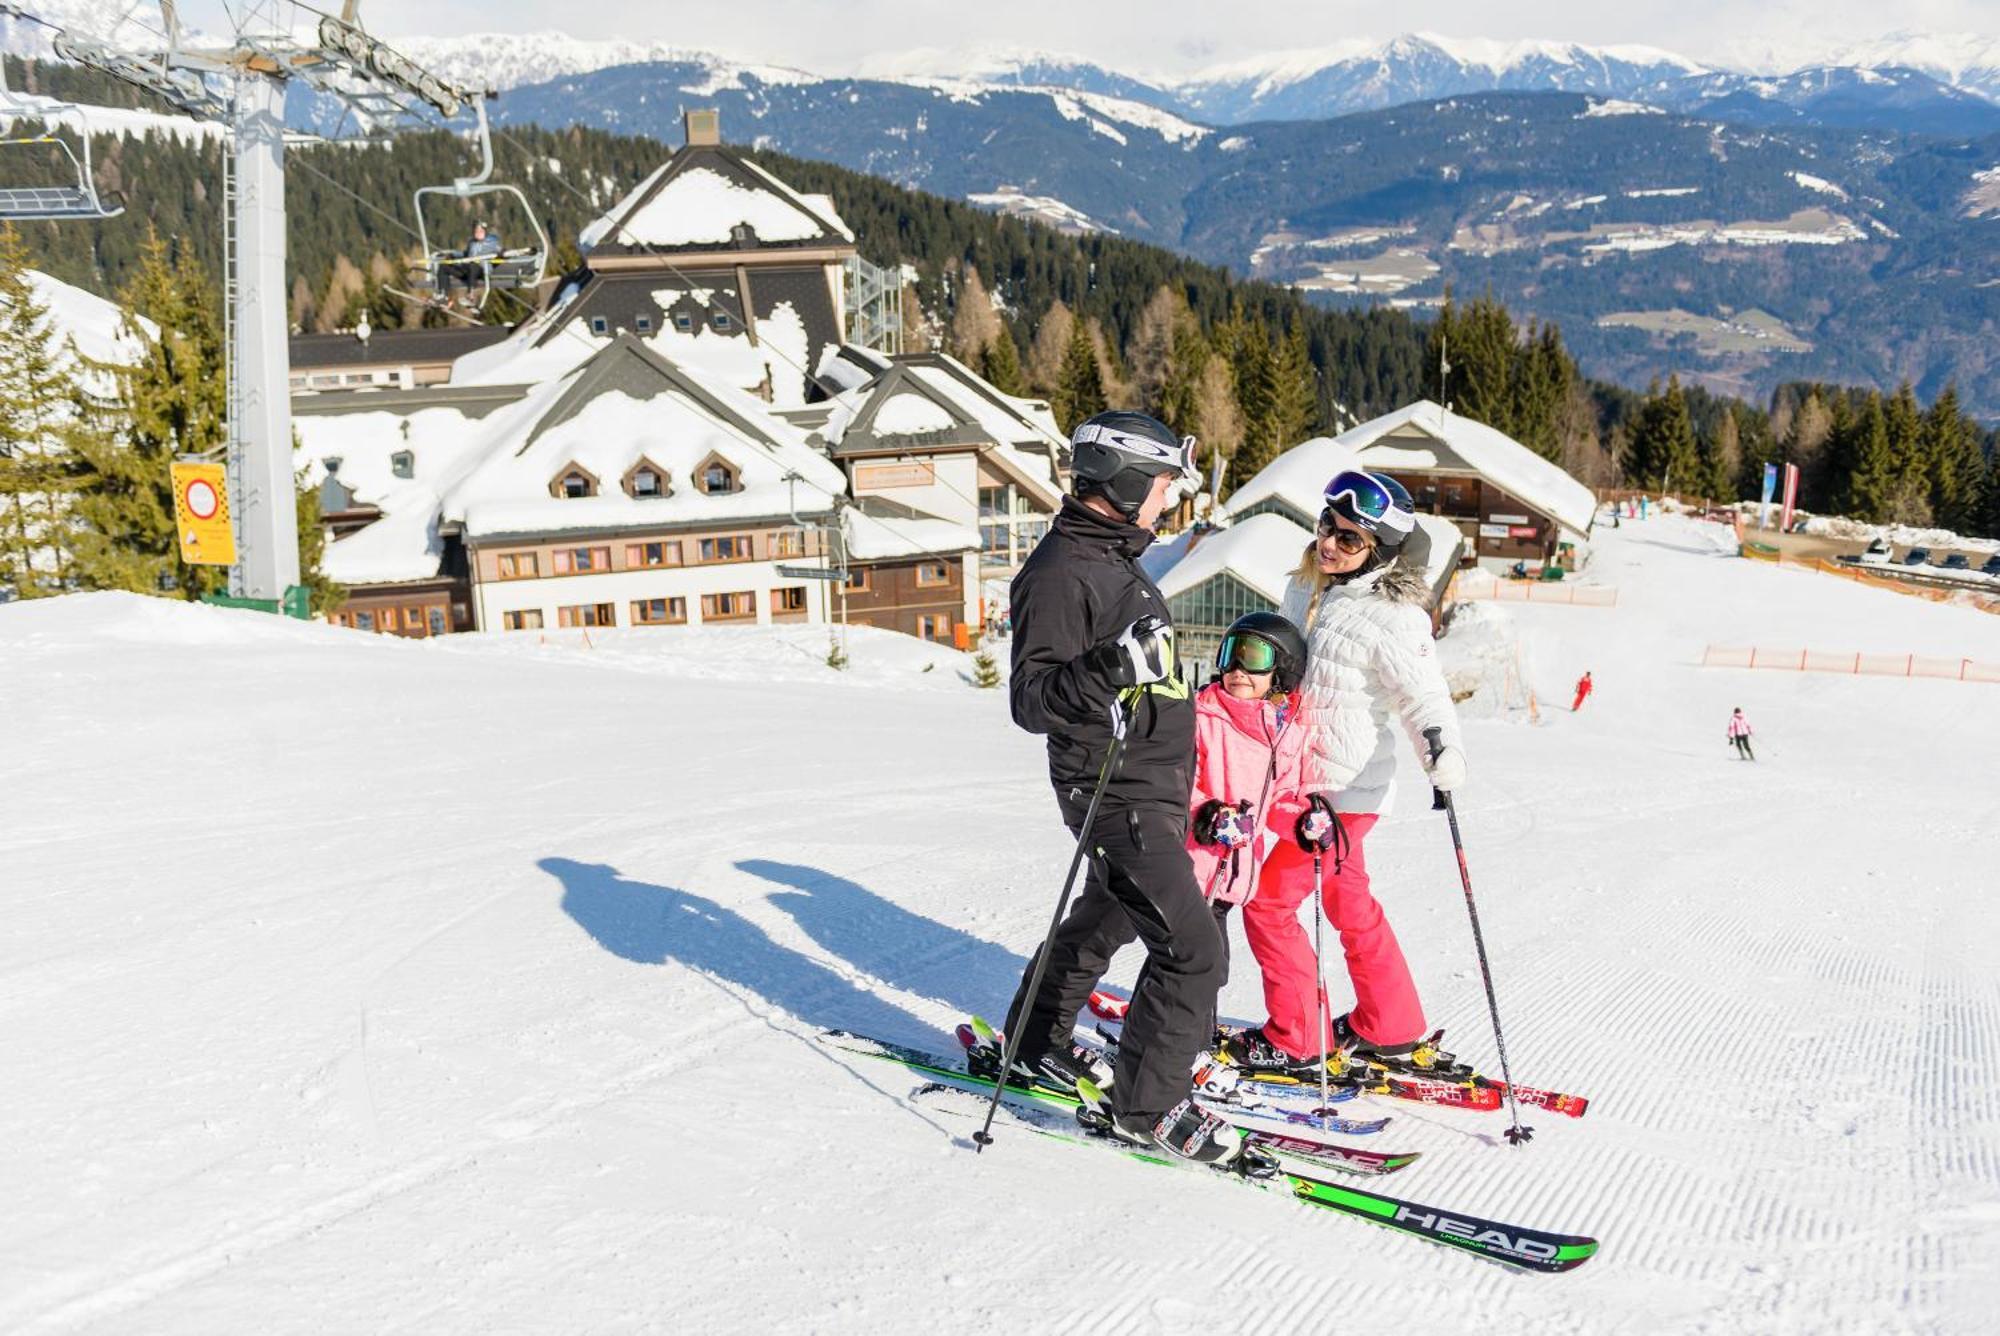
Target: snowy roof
793, 311
626, 404
880, 530
930, 398
1419, 436
699, 197
1262, 552
95, 326
445, 445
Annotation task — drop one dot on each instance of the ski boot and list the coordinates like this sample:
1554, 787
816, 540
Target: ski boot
1186, 1132
1260, 1060
1421, 1059
1057, 1069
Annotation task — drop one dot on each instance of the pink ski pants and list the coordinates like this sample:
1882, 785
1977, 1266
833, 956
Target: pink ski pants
1386, 1009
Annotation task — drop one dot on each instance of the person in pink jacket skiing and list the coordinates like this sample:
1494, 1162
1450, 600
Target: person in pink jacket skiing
1739, 735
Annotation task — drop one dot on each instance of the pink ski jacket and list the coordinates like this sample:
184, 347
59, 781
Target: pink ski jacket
1244, 749
1739, 727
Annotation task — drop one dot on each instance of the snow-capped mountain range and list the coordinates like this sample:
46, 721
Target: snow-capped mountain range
1359, 74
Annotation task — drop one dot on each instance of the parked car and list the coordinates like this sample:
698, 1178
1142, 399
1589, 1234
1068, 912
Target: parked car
1955, 562
1877, 554
1992, 566
1917, 556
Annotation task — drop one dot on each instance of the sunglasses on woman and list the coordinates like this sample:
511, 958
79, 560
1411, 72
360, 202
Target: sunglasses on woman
1347, 540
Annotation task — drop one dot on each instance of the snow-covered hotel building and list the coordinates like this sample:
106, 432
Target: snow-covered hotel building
679, 436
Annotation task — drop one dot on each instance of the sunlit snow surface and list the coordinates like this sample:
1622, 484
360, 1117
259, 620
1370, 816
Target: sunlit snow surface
352, 983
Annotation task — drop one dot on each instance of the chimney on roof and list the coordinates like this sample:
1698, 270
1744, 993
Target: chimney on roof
704, 126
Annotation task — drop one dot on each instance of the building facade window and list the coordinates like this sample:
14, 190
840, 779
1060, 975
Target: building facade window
519, 565
934, 627
582, 560
788, 543
364, 621
414, 620
728, 607
644, 556
386, 618
659, 611
931, 574
522, 619
735, 547
587, 614
437, 621
857, 579
791, 599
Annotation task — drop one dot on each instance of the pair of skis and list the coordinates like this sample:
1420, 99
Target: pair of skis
1480, 1093
1043, 1108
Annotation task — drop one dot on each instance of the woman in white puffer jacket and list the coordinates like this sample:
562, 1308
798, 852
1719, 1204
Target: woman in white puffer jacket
1360, 594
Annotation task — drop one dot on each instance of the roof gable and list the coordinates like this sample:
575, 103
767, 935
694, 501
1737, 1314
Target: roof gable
703, 198
627, 366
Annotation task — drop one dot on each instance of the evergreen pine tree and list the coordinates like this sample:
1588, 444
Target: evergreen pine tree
1079, 387
1255, 379
173, 400
1541, 383
1724, 459
1958, 469
39, 408
1001, 363
1180, 395
1910, 461
985, 671
1483, 355
1873, 478
1663, 452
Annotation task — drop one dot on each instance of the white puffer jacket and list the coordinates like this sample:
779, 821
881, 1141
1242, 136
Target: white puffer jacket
1371, 656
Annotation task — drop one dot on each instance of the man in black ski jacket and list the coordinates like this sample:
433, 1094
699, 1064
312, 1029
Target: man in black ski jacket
1091, 634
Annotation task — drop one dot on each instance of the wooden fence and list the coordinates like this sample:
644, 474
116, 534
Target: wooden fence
1853, 663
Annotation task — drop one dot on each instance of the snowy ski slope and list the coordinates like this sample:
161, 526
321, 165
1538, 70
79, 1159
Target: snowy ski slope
353, 984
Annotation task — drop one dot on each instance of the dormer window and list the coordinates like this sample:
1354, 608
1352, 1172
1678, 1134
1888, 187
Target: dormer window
742, 234
573, 482
599, 325
717, 476
721, 322
403, 464
645, 481
684, 321
643, 323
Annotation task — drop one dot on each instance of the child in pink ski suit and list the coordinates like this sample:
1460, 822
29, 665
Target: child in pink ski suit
1249, 762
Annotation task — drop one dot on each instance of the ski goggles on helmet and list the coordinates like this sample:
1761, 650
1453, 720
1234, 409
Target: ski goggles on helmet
1363, 491
1252, 654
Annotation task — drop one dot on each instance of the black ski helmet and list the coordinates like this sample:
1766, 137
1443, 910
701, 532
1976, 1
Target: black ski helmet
1116, 455
1275, 631
1376, 504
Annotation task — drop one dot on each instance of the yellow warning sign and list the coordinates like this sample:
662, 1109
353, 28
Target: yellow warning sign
201, 513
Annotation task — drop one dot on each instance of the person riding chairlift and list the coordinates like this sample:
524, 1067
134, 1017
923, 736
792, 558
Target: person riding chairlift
484, 242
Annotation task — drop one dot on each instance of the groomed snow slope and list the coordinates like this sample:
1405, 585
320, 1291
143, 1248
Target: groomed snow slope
360, 984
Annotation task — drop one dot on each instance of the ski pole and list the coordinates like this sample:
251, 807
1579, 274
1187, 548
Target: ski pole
1441, 801
1319, 982
984, 1136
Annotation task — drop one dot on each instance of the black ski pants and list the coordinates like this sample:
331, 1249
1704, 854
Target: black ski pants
1742, 742
1138, 884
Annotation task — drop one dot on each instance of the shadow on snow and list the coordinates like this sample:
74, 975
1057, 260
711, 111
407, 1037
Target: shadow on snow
651, 925
916, 954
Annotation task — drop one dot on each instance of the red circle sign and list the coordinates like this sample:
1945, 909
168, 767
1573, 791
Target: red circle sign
202, 501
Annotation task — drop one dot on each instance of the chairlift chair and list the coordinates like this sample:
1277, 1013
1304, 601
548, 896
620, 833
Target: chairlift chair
508, 270
58, 202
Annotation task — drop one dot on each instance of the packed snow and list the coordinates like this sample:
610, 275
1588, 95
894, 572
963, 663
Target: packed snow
504, 1020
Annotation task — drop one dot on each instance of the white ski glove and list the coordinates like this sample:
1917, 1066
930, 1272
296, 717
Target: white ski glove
1448, 770
1142, 653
